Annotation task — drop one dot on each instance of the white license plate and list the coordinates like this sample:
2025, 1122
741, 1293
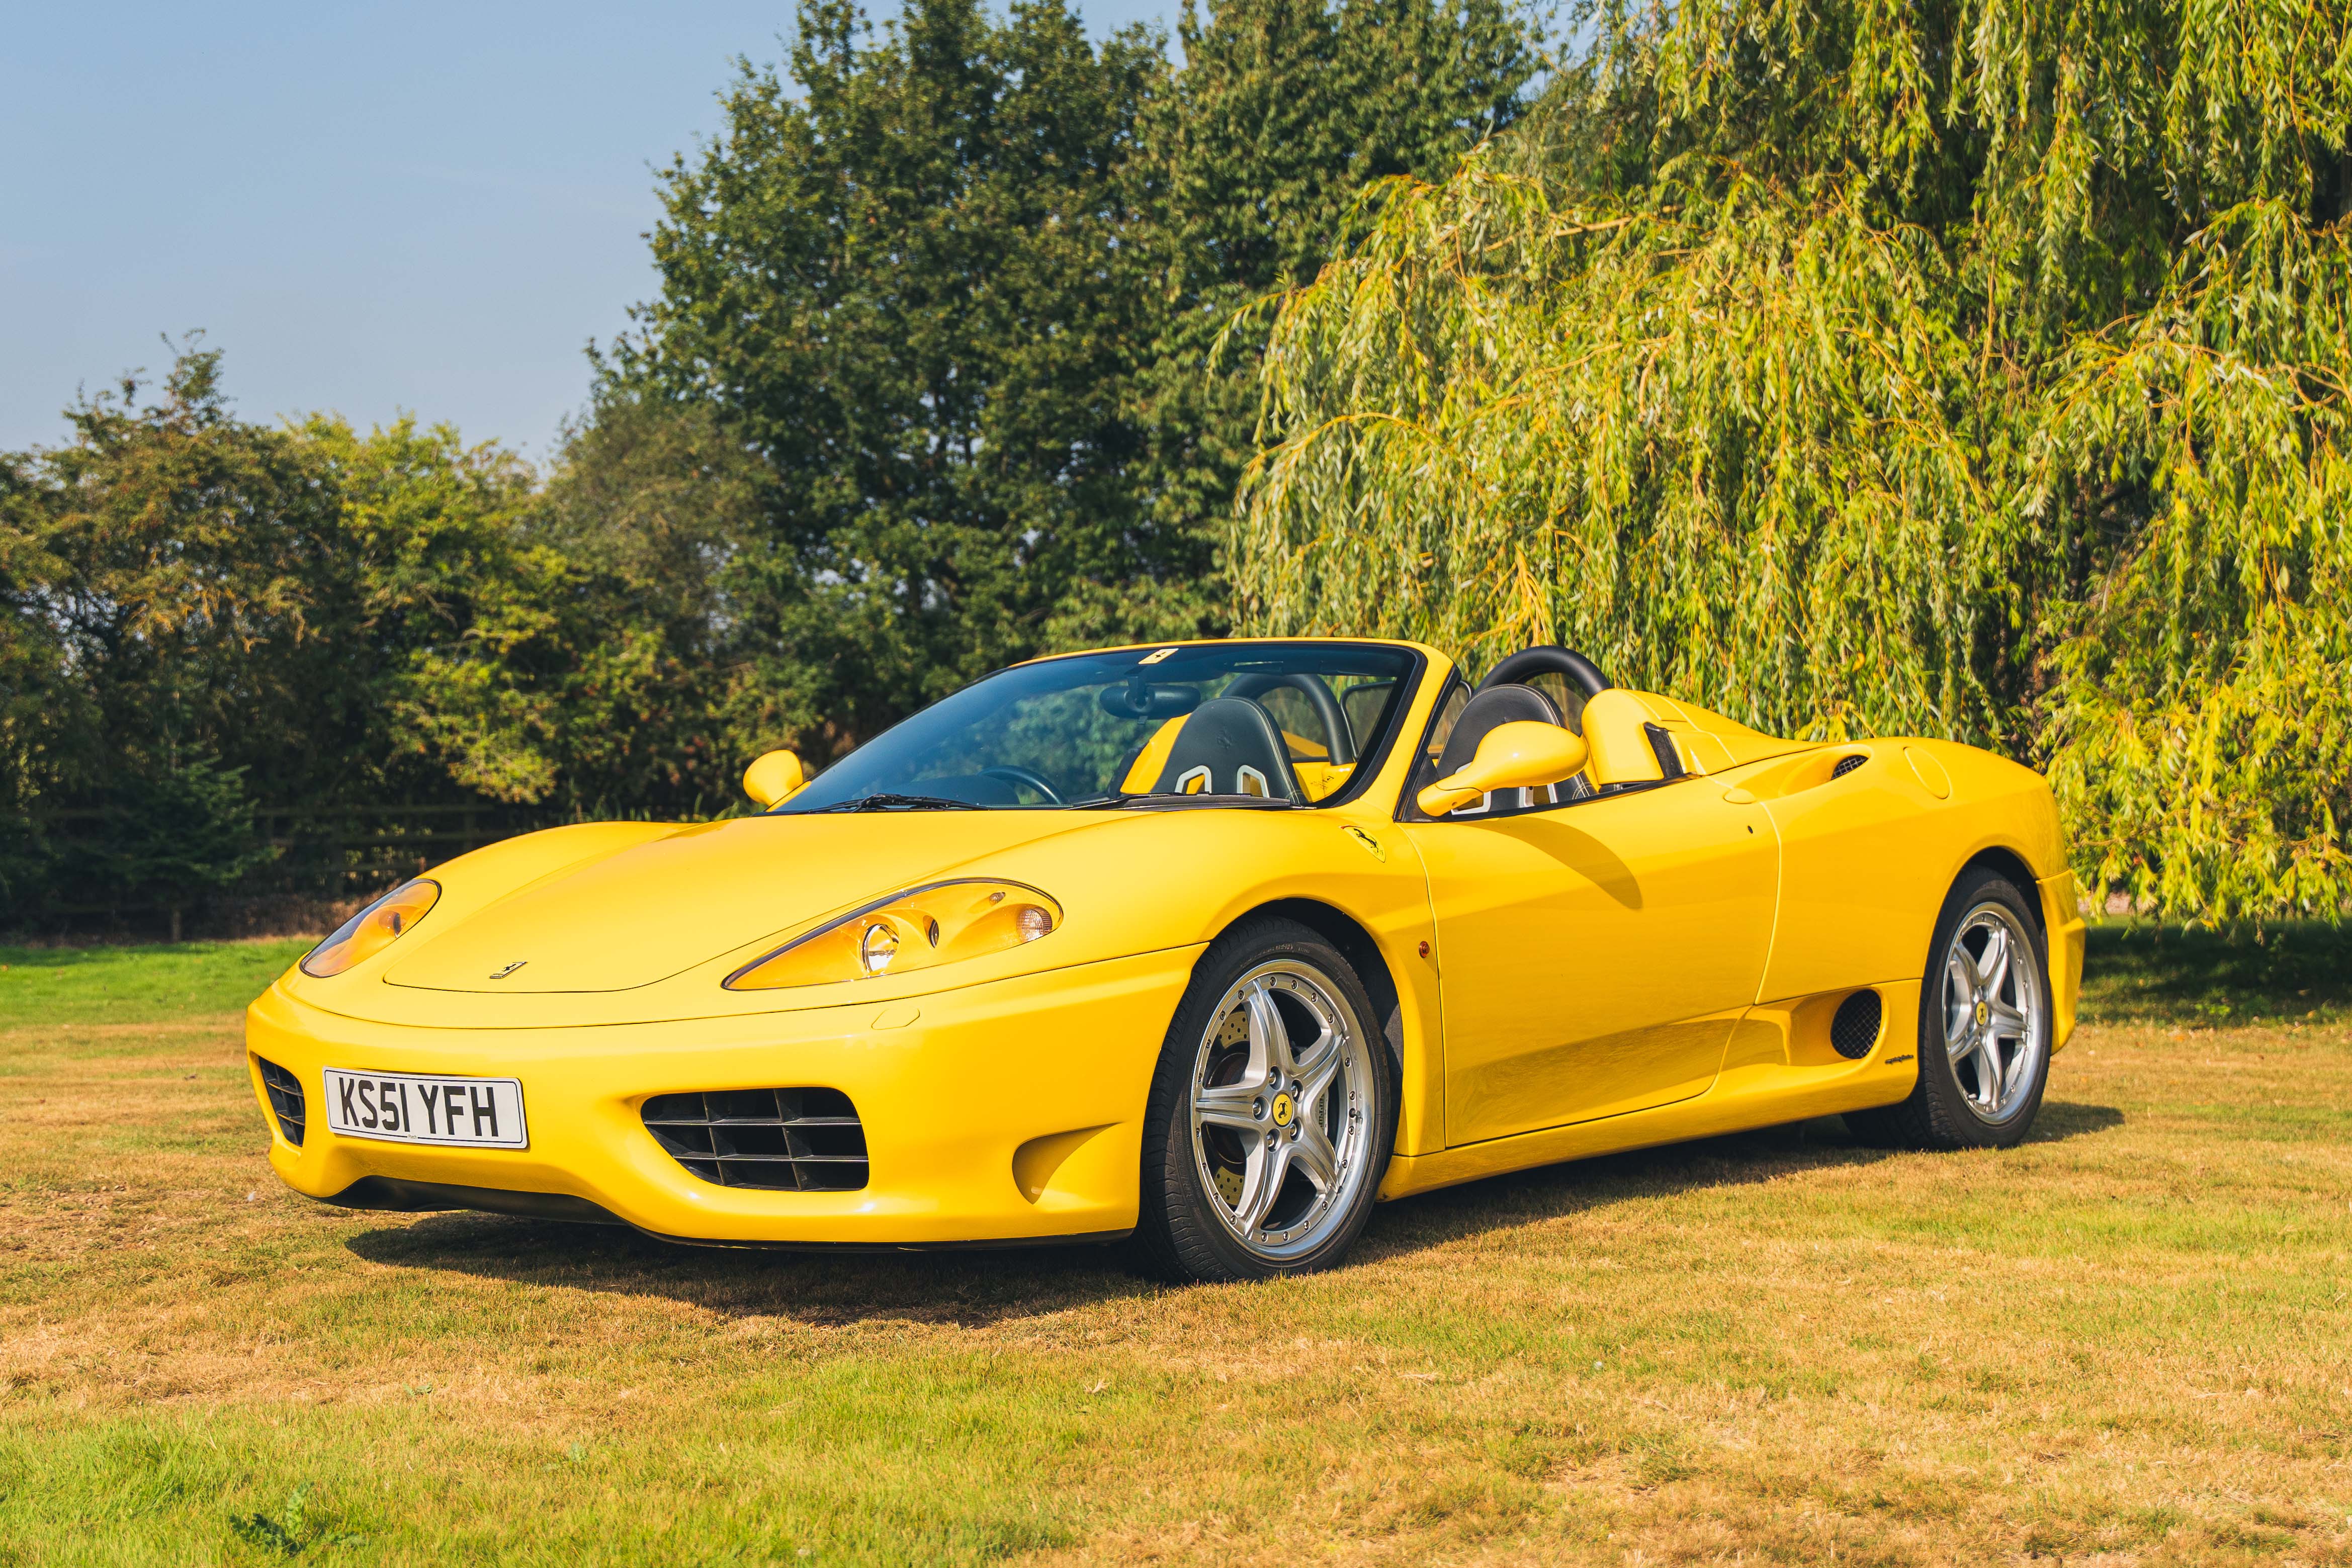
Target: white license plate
421, 1107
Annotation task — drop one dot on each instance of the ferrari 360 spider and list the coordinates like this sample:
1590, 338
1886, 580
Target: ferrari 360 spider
1210, 945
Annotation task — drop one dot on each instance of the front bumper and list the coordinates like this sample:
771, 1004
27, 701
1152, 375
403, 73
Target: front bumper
2061, 917
1001, 1112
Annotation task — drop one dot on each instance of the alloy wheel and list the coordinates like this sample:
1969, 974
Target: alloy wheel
1282, 1108
1996, 1027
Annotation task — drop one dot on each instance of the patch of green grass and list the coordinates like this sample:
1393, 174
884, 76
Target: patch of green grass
2128, 1337
137, 984
2157, 974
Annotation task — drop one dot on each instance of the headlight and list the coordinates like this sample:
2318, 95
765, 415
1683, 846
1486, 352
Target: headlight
372, 929
941, 924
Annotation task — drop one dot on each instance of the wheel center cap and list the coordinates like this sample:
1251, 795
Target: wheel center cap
1284, 1110
1984, 1012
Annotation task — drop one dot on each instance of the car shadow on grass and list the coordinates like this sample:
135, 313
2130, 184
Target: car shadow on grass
979, 1287
968, 1288
1734, 1160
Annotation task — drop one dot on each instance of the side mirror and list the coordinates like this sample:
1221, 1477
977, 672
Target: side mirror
773, 776
1524, 755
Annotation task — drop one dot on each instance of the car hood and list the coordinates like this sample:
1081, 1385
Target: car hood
658, 907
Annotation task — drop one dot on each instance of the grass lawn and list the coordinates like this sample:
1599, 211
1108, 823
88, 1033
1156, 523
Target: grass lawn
2128, 1341
157, 984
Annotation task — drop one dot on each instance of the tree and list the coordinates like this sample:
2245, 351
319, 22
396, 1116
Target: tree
910, 289
960, 296
665, 510
1285, 112
1975, 369
339, 618
181, 830
173, 582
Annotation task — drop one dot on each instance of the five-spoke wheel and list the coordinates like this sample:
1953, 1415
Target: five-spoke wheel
1282, 1097
1272, 1113
1985, 1026
1995, 1027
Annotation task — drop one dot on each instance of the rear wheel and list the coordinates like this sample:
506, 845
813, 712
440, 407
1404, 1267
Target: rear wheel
1984, 1026
1272, 1112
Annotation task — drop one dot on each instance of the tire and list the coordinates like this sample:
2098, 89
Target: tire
1250, 1173
1984, 1028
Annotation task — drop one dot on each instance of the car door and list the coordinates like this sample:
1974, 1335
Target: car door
1593, 955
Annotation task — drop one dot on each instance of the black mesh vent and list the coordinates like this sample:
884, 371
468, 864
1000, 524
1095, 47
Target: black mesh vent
1662, 745
285, 1091
1856, 1028
783, 1139
1847, 764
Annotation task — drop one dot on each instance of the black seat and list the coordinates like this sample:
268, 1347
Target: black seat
1498, 705
1229, 746
1495, 706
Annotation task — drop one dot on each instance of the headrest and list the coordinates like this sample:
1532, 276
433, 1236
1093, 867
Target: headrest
1229, 746
1495, 705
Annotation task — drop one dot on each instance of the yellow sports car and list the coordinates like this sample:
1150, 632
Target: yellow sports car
1213, 945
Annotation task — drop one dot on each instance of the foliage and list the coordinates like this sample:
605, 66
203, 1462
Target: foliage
956, 284
1975, 370
182, 829
292, 1531
169, 583
901, 275
330, 617
1254, 157
663, 510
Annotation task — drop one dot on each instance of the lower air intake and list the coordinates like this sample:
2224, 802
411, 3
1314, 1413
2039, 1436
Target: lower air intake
286, 1103
1856, 1028
777, 1140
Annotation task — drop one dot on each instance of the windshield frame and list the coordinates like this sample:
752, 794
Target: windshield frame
1371, 760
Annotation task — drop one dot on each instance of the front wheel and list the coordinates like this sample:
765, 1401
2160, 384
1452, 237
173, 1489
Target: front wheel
1985, 1027
1272, 1113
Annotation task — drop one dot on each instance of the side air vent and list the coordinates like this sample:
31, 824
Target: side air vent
778, 1140
1662, 744
1847, 764
1856, 1028
285, 1091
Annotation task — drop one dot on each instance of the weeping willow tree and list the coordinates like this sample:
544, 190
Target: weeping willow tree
1975, 370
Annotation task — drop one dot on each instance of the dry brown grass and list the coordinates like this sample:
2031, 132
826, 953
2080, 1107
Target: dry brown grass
2128, 1341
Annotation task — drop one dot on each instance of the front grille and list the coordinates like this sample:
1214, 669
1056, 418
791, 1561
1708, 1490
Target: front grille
1854, 1029
782, 1139
285, 1091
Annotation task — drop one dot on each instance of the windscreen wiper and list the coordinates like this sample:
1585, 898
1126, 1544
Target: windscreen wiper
887, 802
1171, 798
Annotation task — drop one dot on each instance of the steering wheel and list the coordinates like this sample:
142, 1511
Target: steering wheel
1342, 746
1014, 773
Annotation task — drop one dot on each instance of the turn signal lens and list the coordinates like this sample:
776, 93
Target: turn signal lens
372, 929
944, 922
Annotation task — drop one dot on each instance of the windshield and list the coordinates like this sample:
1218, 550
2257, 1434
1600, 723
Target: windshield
1238, 723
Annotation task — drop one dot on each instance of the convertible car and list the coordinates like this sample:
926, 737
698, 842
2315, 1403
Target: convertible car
1207, 947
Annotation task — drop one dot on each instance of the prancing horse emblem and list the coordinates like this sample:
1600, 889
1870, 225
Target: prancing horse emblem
510, 969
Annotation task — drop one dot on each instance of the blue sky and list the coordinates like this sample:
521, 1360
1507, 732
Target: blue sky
428, 207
